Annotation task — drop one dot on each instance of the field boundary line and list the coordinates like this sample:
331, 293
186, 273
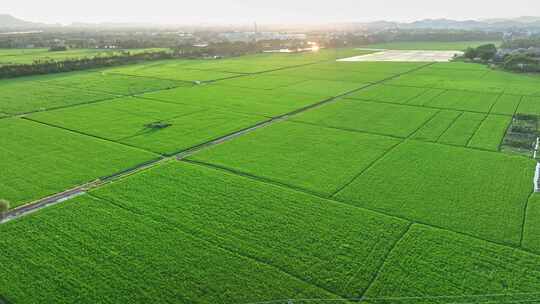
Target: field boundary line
476, 129
22, 114
518, 105
213, 242
345, 129
88, 135
119, 94
61, 197
394, 299
385, 260
206, 107
349, 204
525, 211
410, 136
373, 163
261, 179
501, 142
454, 89
419, 106
192, 82
449, 126
496, 101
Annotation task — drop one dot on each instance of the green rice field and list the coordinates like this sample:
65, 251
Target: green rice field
270, 178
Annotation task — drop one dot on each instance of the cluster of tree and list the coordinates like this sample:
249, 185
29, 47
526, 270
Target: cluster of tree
484, 52
215, 50
521, 62
58, 48
510, 60
522, 43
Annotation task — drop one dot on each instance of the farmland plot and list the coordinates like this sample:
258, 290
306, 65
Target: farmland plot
529, 105
435, 266
163, 128
310, 157
262, 82
319, 88
331, 73
464, 101
462, 129
506, 104
474, 192
491, 132
436, 127
172, 70
514, 83
286, 229
370, 67
392, 94
39, 160
91, 251
111, 83
425, 97
386, 119
25, 95
235, 99
442, 80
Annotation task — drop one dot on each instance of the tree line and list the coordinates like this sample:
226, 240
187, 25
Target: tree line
50, 66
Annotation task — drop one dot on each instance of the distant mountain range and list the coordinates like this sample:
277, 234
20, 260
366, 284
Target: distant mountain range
525, 23
8, 22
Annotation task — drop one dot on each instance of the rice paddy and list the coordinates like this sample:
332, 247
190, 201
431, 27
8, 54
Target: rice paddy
270, 177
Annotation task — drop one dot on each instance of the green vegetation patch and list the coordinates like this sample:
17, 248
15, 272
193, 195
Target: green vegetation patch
389, 68
315, 158
173, 70
284, 228
435, 266
164, 128
332, 72
506, 104
470, 191
531, 230
529, 105
261, 81
491, 132
436, 127
386, 119
110, 83
384, 93
26, 95
321, 88
39, 160
465, 101
463, 129
424, 98
90, 251
235, 99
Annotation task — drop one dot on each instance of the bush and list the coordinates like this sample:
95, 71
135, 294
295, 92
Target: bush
470, 53
157, 125
57, 49
4, 207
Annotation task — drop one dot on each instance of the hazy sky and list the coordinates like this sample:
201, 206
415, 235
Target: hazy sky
270, 11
